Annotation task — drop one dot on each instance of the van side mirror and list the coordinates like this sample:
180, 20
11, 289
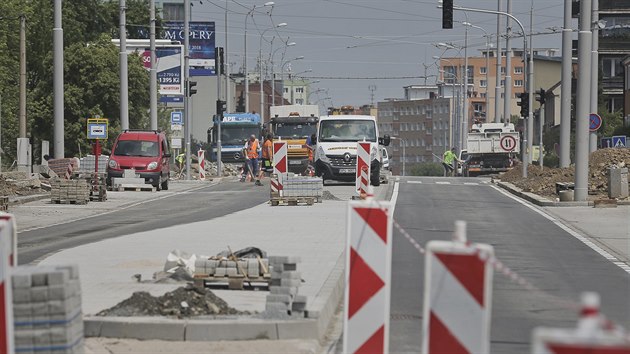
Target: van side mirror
384, 140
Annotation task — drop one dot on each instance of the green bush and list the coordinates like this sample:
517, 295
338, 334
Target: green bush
428, 169
551, 161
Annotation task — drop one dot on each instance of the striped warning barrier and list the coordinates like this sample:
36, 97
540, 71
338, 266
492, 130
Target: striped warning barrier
363, 167
201, 158
593, 334
457, 296
275, 186
280, 162
368, 275
7, 257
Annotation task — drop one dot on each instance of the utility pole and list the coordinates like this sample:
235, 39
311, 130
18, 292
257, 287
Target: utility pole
497, 87
226, 60
22, 76
565, 95
187, 87
541, 118
529, 120
464, 122
58, 83
124, 85
153, 70
583, 102
507, 90
594, 67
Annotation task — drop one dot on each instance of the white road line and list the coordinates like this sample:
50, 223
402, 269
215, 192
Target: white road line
394, 197
585, 240
415, 182
471, 184
442, 182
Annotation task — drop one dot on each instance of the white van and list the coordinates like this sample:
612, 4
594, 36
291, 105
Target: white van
336, 152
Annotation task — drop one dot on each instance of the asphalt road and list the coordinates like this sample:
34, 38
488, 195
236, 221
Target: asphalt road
181, 208
538, 250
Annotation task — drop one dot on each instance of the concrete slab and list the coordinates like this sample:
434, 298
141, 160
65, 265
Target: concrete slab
139, 327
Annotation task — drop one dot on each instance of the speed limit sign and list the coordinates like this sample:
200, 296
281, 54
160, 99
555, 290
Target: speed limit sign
508, 143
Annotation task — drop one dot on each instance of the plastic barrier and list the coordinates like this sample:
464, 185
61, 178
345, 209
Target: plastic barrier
280, 164
8, 257
201, 158
363, 169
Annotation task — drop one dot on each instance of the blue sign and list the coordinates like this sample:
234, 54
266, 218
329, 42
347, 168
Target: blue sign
201, 42
619, 141
97, 128
606, 143
595, 122
172, 99
177, 117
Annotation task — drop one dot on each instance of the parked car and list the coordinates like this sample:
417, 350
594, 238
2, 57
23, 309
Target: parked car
146, 152
385, 158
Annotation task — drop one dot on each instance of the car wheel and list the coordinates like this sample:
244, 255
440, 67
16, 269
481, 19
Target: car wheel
376, 179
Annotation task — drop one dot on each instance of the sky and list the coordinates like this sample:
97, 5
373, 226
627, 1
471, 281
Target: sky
360, 48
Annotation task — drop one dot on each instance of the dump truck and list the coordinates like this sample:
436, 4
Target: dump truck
491, 148
295, 124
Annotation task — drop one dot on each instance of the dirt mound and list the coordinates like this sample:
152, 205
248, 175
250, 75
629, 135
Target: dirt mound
182, 302
12, 184
543, 182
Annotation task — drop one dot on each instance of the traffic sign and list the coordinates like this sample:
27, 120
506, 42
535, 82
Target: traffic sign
594, 122
97, 128
508, 143
607, 142
177, 117
619, 141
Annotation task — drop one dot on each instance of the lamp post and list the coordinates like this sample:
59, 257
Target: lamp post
262, 95
456, 120
312, 92
250, 13
468, 24
273, 73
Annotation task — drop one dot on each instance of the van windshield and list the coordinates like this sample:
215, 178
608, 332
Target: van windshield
136, 148
347, 130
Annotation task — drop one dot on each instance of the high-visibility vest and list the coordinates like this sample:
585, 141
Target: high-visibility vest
267, 152
252, 149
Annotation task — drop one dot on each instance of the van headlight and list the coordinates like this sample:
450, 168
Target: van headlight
152, 166
321, 155
112, 163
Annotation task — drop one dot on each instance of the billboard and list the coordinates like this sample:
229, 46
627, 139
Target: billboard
169, 68
201, 41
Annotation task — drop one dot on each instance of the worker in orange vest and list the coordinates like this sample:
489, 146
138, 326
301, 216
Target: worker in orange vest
251, 147
267, 156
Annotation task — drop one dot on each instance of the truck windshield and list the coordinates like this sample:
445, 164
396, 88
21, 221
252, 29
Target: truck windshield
236, 135
347, 130
136, 148
295, 130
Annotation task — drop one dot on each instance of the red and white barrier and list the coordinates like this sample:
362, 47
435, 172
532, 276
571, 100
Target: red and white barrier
368, 277
593, 335
201, 159
8, 258
457, 296
280, 163
363, 169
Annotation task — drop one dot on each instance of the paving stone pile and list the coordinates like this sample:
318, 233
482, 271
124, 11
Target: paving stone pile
283, 300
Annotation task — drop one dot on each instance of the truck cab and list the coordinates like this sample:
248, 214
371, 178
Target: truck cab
236, 128
336, 152
296, 128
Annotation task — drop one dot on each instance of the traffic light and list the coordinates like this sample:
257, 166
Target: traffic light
221, 107
523, 103
191, 90
447, 14
541, 96
219, 62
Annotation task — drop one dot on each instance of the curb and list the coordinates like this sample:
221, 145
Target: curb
540, 201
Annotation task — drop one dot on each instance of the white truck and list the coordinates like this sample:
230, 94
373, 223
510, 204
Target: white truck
492, 148
336, 151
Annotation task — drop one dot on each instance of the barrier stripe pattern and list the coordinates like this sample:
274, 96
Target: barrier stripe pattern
7, 232
280, 161
363, 170
368, 277
201, 158
457, 298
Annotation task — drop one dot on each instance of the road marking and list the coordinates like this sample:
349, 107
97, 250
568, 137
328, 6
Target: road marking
119, 209
585, 240
415, 182
394, 198
442, 182
471, 184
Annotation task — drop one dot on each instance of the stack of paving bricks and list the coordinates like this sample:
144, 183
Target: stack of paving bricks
69, 191
64, 167
98, 187
88, 163
283, 299
215, 269
47, 309
130, 180
302, 186
4, 203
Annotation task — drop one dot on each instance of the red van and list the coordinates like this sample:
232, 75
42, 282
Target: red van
146, 152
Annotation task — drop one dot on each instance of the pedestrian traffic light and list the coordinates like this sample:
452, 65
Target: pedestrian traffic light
221, 107
523, 103
540, 96
447, 14
191, 90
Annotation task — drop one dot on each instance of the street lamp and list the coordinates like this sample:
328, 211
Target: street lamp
273, 73
262, 96
312, 92
250, 13
468, 24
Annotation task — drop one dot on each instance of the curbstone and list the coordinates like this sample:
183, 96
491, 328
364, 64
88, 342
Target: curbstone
140, 328
281, 298
224, 330
290, 282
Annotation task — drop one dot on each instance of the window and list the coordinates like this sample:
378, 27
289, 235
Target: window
173, 12
518, 83
299, 89
299, 101
611, 67
483, 70
518, 69
502, 53
503, 70
483, 83
502, 83
483, 95
502, 95
450, 73
286, 90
